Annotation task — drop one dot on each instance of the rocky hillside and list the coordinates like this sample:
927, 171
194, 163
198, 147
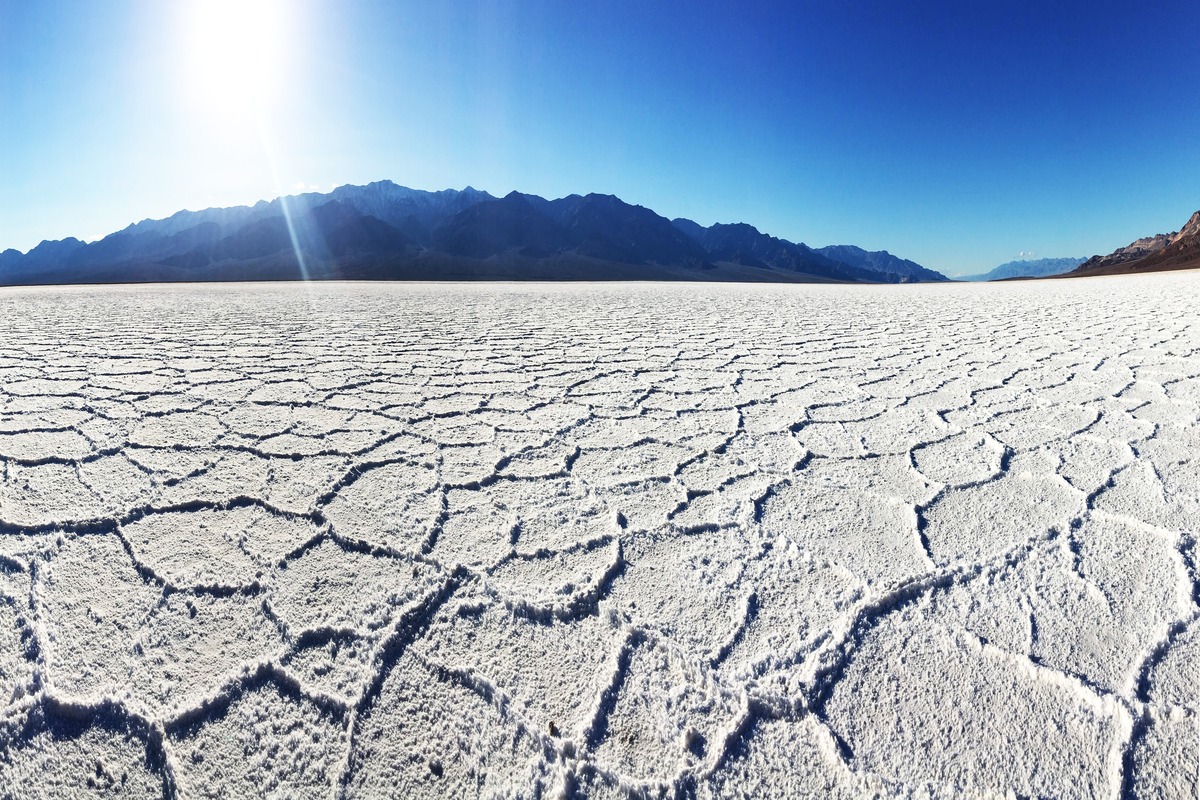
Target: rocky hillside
1164, 251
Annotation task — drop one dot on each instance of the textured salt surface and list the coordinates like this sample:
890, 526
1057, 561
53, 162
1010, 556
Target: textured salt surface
601, 540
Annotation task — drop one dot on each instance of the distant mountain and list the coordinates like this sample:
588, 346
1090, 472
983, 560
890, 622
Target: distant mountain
383, 231
881, 261
495, 227
1164, 251
744, 245
413, 211
1037, 268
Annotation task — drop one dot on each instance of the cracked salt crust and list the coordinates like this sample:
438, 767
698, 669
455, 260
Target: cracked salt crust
371, 540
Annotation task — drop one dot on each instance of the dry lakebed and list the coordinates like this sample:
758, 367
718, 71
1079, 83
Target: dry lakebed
601, 540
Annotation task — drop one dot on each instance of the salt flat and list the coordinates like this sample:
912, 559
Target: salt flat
369, 540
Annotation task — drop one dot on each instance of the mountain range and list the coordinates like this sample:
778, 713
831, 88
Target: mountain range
383, 231
1030, 268
1163, 251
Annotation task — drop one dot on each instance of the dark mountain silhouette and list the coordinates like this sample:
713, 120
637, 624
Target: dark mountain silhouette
881, 261
602, 226
745, 245
387, 232
499, 227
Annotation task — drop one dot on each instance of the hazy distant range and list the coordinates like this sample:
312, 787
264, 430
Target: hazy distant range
1035, 268
384, 231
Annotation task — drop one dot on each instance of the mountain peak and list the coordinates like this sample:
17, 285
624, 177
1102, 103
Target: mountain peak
1191, 229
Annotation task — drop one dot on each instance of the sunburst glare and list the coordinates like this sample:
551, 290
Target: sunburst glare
237, 55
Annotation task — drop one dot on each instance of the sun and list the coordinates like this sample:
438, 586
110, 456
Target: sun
236, 52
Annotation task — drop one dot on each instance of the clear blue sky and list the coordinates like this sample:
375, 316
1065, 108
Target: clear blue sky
959, 134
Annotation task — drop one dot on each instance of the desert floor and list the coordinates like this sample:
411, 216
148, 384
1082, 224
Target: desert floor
369, 540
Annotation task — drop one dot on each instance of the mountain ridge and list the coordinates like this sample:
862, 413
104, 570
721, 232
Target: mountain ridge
879, 261
385, 231
1160, 252
1027, 268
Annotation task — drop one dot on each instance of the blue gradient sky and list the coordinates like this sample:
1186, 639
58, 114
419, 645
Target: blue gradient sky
958, 134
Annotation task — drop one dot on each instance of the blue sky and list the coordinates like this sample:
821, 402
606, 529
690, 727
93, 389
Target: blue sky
958, 134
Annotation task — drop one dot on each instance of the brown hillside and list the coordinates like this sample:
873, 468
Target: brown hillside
1173, 251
